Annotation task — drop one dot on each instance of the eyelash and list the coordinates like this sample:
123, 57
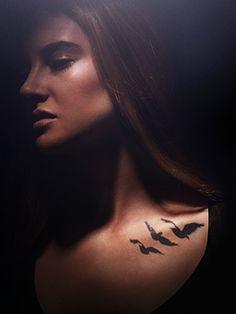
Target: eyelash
57, 65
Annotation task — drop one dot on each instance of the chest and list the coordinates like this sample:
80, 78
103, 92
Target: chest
110, 274
92, 275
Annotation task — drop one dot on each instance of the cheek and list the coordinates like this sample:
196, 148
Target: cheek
82, 93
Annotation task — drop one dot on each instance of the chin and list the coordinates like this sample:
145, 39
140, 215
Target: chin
46, 143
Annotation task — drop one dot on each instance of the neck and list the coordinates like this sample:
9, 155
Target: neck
99, 185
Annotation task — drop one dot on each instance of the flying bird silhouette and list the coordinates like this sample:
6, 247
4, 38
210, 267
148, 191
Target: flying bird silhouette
187, 229
159, 237
146, 250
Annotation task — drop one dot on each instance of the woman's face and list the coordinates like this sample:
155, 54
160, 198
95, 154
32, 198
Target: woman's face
63, 85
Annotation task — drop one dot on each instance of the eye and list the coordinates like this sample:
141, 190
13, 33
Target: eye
60, 64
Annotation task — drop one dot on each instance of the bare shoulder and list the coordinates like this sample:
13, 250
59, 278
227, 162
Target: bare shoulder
162, 252
131, 269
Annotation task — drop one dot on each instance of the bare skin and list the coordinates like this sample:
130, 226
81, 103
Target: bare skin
104, 272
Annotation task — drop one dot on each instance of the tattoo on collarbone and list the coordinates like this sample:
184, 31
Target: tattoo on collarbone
185, 232
146, 250
159, 237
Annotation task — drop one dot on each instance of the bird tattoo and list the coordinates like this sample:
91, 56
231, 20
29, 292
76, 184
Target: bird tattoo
146, 250
187, 229
159, 237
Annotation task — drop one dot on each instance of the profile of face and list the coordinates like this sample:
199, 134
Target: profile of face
63, 83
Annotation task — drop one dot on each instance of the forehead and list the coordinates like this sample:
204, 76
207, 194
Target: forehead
56, 27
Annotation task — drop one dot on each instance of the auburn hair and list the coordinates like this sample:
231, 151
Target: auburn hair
126, 55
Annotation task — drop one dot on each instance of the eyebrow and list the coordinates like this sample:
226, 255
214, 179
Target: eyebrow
59, 45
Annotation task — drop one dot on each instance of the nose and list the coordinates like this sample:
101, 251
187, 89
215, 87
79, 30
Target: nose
35, 87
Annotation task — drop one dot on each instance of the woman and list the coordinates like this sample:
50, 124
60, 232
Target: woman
123, 215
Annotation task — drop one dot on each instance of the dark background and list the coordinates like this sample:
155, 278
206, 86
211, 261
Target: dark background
198, 45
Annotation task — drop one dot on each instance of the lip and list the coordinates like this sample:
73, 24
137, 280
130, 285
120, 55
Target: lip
42, 123
42, 117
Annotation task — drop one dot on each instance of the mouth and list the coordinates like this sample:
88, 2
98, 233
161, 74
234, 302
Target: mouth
42, 118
